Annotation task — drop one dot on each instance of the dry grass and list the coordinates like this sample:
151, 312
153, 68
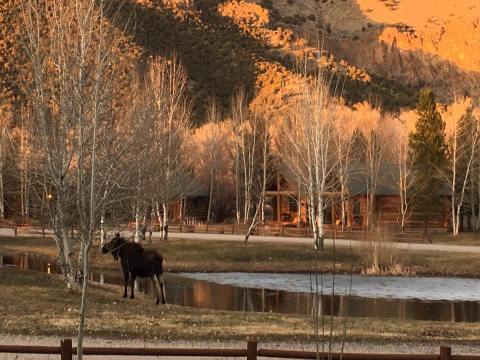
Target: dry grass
214, 256
37, 304
460, 239
379, 255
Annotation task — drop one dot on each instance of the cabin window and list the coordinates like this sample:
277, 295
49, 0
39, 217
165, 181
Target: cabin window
327, 215
356, 212
356, 207
292, 204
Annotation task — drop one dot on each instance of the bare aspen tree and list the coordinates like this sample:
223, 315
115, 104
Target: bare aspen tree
266, 160
475, 181
306, 145
82, 152
246, 130
253, 160
164, 86
142, 113
54, 126
211, 153
259, 129
463, 132
405, 177
24, 170
5, 124
213, 117
374, 128
344, 129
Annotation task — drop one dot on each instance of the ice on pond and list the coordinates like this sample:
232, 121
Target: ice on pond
389, 287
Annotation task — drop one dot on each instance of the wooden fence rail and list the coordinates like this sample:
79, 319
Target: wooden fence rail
66, 352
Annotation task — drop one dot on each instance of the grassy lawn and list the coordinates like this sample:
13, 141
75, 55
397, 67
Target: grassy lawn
211, 256
460, 239
38, 304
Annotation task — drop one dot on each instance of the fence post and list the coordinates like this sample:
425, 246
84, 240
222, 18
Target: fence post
445, 353
66, 349
15, 231
252, 350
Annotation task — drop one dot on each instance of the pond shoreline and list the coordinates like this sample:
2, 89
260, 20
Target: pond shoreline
52, 310
420, 298
178, 270
219, 256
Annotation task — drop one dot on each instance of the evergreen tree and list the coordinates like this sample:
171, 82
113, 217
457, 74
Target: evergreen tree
429, 147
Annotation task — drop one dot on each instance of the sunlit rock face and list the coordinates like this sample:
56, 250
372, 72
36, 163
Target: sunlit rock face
428, 42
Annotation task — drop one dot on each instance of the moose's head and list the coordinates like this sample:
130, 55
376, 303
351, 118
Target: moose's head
114, 245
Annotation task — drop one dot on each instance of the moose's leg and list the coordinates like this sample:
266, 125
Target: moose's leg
132, 285
157, 288
162, 288
126, 275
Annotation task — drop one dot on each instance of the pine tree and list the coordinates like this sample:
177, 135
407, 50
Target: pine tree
429, 146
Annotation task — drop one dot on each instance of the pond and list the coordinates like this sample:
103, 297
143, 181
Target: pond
442, 299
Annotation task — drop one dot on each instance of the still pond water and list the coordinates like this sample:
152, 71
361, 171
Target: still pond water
445, 299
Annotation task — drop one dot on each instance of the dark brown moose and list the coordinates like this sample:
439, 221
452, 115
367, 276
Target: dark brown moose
136, 261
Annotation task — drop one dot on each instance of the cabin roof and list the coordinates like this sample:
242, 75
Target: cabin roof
196, 189
388, 178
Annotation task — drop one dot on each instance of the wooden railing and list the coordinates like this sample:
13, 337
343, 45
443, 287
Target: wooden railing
251, 352
289, 231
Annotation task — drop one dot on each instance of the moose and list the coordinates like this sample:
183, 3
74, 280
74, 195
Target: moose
136, 261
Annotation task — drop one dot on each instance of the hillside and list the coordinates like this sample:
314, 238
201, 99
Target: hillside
417, 43
380, 50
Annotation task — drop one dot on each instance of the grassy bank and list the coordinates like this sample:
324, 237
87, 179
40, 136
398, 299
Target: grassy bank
38, 304
210, 256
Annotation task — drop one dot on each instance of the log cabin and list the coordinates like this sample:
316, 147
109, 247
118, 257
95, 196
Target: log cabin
286, 206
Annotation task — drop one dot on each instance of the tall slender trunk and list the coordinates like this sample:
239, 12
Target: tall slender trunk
137, 222
342, 202
2, 196
299, 206
403, 195
477, 222
237, 186
160, 219
103, 233
453, 186
165, 222
264, 175
65, 245
320, 222
26, 196
312, 209
210, 196
473, 210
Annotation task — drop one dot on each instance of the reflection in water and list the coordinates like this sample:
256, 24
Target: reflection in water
197, 293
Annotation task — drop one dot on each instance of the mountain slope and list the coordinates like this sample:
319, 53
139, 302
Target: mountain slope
417, 43
229, 44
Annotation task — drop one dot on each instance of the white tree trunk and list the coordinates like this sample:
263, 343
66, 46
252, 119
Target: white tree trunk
137, 223
320, 222
210, 196
160, 219
2, 196
103, 233
165, 222
66, 249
